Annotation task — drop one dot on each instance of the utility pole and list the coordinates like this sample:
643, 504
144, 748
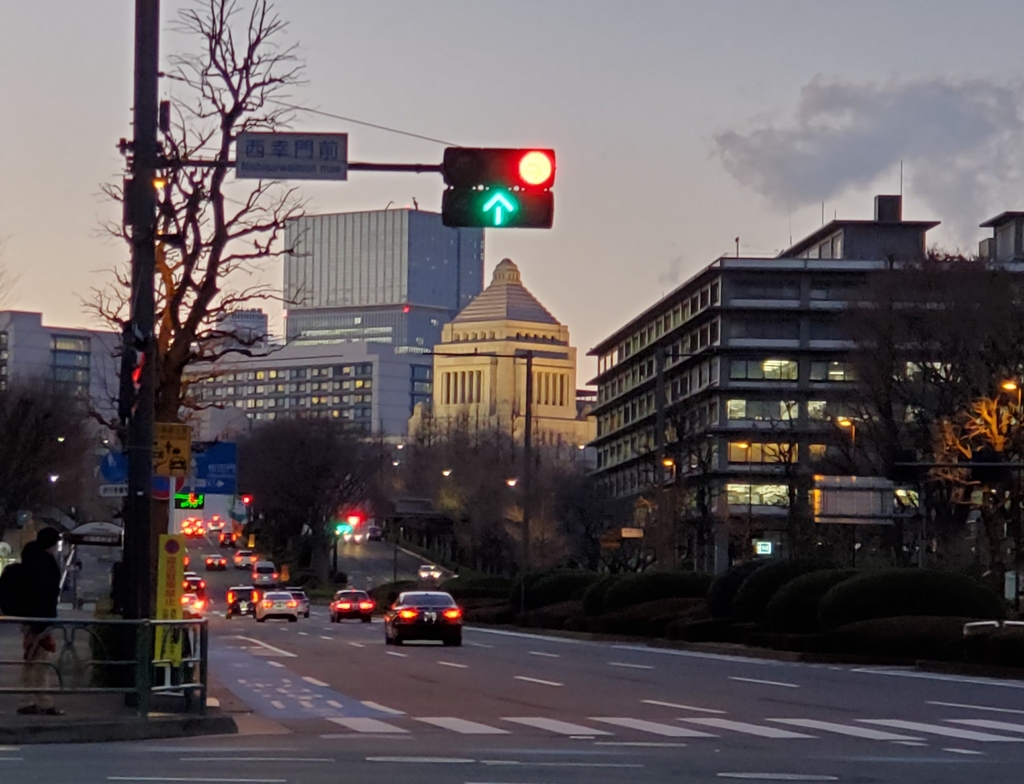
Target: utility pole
140, 211
527, 455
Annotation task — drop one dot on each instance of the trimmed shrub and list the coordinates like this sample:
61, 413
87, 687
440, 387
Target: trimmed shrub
497, 613
754, 593
901, 592
794, 607
527, 580
552, 616
649, 619
593, 597
558, 586
650, 586
478, 587
904, 638
723, 588
708, 630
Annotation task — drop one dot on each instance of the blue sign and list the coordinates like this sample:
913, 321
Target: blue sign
114, 467
215, 468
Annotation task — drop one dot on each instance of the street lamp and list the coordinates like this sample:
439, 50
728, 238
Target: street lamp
60, 439
53, 478
446, 473
511, 481
1012, 386
846, 422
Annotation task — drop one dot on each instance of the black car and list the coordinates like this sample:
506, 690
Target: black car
352, 604
423, 615
241, 600
374, 533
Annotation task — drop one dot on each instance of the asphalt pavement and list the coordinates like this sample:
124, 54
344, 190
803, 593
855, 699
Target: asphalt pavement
320, 702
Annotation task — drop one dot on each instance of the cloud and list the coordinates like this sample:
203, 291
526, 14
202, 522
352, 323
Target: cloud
962, 141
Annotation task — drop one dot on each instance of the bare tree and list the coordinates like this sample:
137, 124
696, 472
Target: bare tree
212, 235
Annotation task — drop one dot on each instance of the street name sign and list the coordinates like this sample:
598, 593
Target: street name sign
114, 491
292, 156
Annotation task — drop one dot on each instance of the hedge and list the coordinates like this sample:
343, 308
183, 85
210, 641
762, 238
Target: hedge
594, 596
724, 587
904, 638
651, 586
529, 579
547, 588
650, 619
478, 587
762, 584
386, 593
794, 607
906, 592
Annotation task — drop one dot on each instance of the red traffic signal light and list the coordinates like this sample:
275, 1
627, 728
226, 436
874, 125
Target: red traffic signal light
498, 187
247, 500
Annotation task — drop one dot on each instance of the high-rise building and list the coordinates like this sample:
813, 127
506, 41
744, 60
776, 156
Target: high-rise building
387, 276
249, 328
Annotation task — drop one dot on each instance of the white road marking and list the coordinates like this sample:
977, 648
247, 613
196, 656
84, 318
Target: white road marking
777, 776
554, 725
303, 634
314, 681
564, 764
454, 664
976, 707
935, 729
273, 650
541, 681
10, 748
325, 637
335, 704
682, 707
631, 666
843, 729
545, 653
933, 676
462, 726
764, 683
478, 645
212, 702
305, 703
383, 708
641, 743
423, 760
258, 759
525, 636
279, 690
275, 664
914, 743
197, 780
988, 724
357, 645
368, 725
747, 729
396, 653
277, 704
667, 730
964, 751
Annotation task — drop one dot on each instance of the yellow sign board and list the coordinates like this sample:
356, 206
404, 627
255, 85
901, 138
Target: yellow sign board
172, 449
170, 578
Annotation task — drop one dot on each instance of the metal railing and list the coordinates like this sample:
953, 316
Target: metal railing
92, 656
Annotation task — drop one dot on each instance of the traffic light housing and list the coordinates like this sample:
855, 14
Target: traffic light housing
498, 188
246, 500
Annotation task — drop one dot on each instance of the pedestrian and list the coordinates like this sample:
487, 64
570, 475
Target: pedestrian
40, 581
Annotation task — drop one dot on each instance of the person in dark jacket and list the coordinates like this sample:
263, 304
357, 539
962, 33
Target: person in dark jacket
42, 586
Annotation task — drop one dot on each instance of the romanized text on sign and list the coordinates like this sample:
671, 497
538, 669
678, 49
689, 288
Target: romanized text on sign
292, 156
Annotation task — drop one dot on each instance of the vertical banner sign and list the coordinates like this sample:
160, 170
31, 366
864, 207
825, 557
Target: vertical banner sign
170, 576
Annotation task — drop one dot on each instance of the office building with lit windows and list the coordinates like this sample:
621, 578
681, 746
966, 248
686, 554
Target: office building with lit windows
756, 365
388, 276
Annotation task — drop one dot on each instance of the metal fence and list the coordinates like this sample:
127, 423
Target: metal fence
91, 656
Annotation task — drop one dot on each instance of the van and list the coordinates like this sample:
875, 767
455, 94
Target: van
264, 573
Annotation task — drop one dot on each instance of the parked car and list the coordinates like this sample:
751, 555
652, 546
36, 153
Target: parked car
423, 615
300, 596
352, 604
277, 604
264, 573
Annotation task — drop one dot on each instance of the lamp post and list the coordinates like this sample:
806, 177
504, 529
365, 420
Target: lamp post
848, 424
1012, 386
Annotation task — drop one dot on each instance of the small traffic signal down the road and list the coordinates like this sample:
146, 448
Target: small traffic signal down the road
498, 188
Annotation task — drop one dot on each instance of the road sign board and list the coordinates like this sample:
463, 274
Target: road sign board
292, 156
632, 533
172, 449
114, 467
215, 468
114, 491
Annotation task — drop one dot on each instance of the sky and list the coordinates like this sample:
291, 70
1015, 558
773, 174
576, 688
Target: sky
678, 125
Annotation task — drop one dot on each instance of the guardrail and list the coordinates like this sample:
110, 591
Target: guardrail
95, 656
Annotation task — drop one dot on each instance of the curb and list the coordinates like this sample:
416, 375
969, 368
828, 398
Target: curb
156, 728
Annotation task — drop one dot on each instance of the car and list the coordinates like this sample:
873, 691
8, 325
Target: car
423, 615
429, 572
241, 600
264, 573
193, 583
300, 596
215, 523
347, 536
243, 559
193, 527
374, 533
352, 604
228, 539
277, 604
216, 563
193, 605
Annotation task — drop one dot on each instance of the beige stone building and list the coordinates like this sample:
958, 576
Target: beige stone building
480, 368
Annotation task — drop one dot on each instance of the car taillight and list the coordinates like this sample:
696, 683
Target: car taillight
185, 600
453, 614
293, 603
202, 583
255, 597
365, 605
231, 597
199, 604
345, 605
407, 614
267, 603
274, 575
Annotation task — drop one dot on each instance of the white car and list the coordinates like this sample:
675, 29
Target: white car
430, 572
277, 604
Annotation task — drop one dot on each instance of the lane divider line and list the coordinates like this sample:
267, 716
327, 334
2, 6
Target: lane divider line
541, 681
764, 683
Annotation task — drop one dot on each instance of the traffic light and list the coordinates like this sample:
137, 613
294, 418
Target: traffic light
498, 188
246, 500
133, 360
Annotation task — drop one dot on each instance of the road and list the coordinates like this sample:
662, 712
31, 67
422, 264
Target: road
318, 702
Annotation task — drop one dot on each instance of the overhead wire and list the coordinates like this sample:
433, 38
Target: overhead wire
364, 123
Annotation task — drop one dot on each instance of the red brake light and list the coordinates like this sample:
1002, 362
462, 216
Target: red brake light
365, 605
292, 603
453, 614
184, 599
345, 605
267, 603
255, 597
274, 575
231, 597
407, 614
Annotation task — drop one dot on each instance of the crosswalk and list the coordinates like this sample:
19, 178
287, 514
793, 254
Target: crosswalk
904, 732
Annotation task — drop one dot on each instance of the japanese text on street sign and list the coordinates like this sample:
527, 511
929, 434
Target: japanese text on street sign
292, 156
172, 449
170, 577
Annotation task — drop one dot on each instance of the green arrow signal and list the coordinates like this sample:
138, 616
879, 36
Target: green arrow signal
498, 202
